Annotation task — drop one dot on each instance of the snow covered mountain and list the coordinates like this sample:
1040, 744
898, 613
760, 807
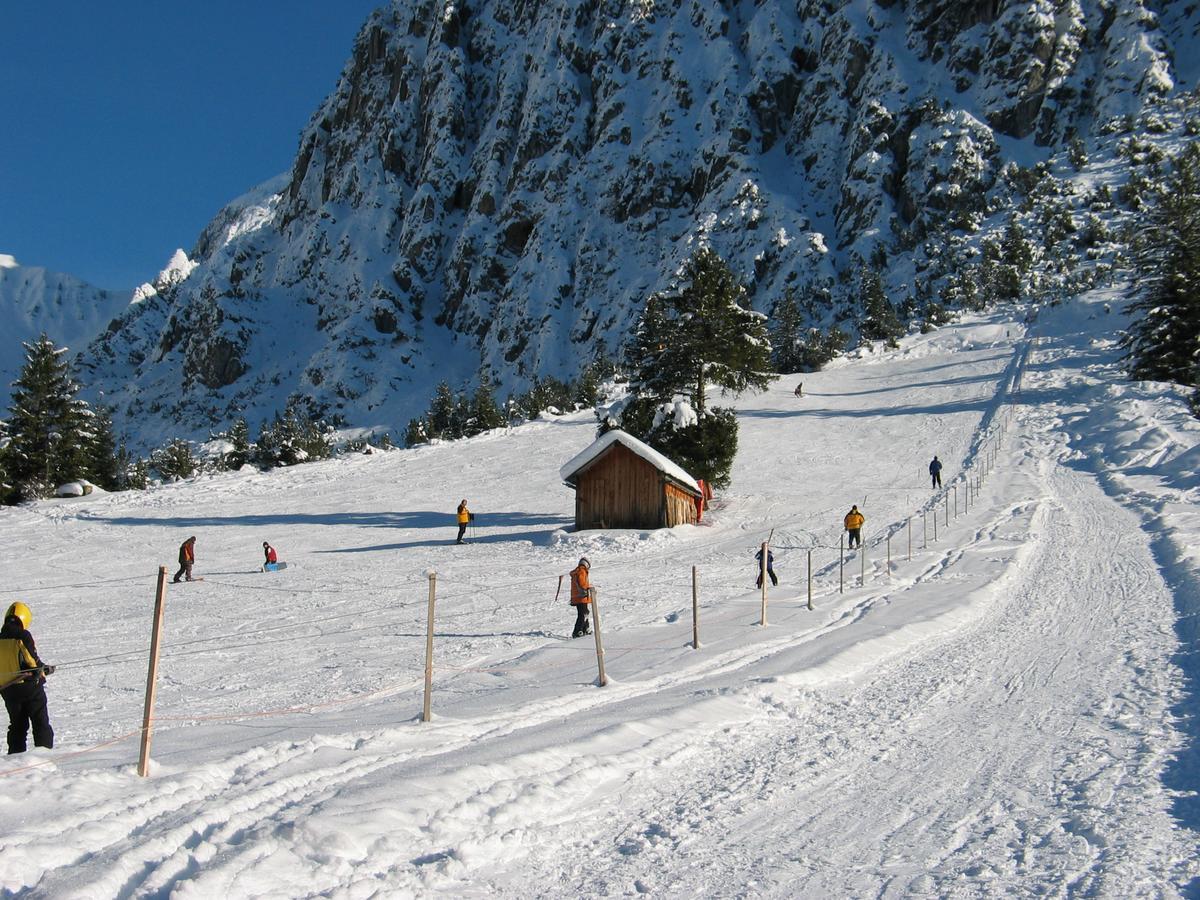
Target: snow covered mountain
34, 300
496, 187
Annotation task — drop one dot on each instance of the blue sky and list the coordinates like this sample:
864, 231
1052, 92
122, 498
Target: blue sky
127, 125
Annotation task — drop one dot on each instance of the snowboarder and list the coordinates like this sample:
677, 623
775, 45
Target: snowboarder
854, 523
187, 558
581, 597
935, 471
464, 519
270, 554
23, 676
799, 392
770, 567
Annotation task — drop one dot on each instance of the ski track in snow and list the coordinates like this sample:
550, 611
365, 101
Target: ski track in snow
990, 718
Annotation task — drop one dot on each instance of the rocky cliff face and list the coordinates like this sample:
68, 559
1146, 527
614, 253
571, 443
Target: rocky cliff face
497, 185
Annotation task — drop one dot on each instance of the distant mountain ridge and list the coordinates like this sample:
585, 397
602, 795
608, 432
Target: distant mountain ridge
496, 187
35, 300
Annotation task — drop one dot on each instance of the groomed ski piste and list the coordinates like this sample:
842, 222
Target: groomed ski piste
1009, 712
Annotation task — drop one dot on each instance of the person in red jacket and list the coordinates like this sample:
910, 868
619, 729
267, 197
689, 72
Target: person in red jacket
187, 557
581, 597
269, 553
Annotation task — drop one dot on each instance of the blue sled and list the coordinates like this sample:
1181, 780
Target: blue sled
274, 567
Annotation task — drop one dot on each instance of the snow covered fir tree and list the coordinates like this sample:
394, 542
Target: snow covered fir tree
696, 336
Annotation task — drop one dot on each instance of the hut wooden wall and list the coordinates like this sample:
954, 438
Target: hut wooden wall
681, 506
620, 490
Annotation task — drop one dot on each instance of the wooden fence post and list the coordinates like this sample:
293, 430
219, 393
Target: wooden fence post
924, 529
935, 526
810, 606
160, 597
955, 500
762, 578
427, 711
842, 564
910, 538
947, 509
889, 555
695, 609
862, 562
599, 642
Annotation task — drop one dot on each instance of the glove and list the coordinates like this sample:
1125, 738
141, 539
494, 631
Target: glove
47, 670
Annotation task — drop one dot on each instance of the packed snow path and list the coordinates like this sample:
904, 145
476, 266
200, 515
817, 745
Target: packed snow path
994, 717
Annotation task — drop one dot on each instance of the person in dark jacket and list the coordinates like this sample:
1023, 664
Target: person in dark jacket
581, 597
187, 557
23, 679
935, 471
770, 567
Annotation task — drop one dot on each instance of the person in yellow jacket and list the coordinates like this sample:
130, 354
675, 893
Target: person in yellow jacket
581, 597
22, 682
464, 519
854, 523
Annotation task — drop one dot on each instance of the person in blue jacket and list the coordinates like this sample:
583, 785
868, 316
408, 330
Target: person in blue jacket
770, 567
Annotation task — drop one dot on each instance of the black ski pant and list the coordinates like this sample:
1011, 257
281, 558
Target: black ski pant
26, 705
855, 537
771, 572
937, 479
462, 529
184, 569
581, 620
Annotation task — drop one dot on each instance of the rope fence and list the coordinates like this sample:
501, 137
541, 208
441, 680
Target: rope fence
981, 462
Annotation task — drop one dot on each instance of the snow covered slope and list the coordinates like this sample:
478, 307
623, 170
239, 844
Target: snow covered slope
1008, 709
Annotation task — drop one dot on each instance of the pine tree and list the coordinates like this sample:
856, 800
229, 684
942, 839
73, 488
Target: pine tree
787, 338
697, 334
484, 414
879, 319
174, 461
444, 414
102, 451
1163, 341
239, 444
707, 336
50, 427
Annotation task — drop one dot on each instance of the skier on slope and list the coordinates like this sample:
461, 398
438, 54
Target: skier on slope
935, 471
187, 558
581, 597
854, 523
770, 567
23, 676
464, 519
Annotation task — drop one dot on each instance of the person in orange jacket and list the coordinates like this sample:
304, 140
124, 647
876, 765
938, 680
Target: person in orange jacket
854, 523
464, 519
581, 597
187, 557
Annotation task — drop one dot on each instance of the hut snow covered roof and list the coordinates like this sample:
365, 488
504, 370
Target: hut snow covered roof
581, 461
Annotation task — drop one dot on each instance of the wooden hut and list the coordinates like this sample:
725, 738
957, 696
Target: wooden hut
621, 482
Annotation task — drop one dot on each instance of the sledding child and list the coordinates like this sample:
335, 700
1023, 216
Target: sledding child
23, 676
270, 554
